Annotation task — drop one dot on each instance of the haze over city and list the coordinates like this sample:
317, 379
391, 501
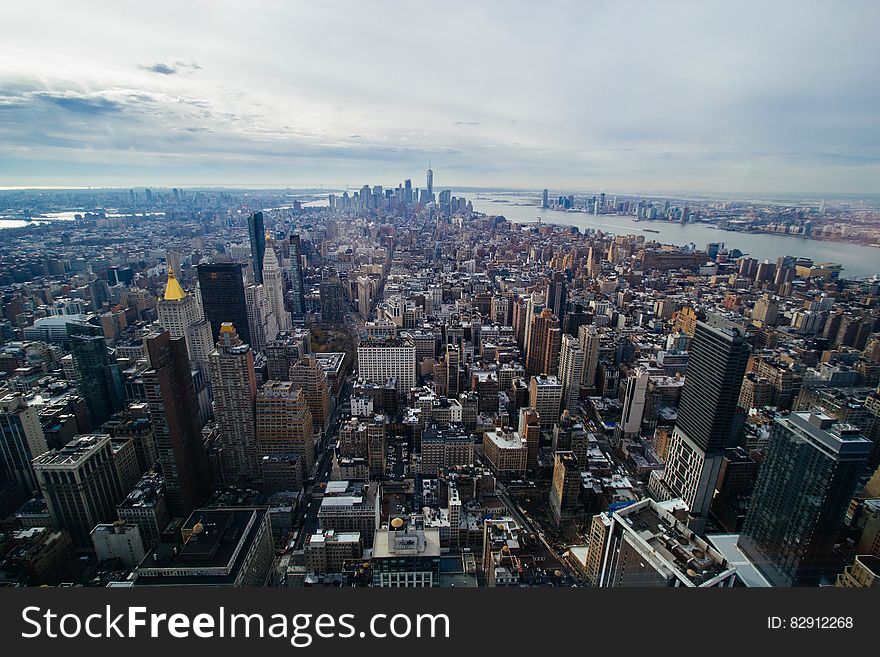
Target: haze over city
628, 97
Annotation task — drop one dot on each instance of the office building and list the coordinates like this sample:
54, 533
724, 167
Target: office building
284, 429
545, 396
257, 235
332, 300
705, 425
146, 506
220, 547
273, 288
262, 323
809, 474
180, 313
506, 453
445, 446
634, 402
392, 359
222, 289
351, 506
308, 375
648, 545
176, 427
328, 551
21, 440
565, 488
98, 379
589, 338
80, 483
571, 371
545, 338
234, 384
556, 294
118, 540
406, 554
297, 292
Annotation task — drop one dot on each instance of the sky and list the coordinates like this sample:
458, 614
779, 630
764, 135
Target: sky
734, 97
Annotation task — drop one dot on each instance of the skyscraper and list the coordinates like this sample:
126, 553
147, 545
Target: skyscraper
257, 234
273, 286
308, 375
809, 474
556, 294
298, 299
99, 380
545, 200
430, 183
234, 384
542, 356
181, 315
719, 354
571, 370
174, 415
261, 317
332, 300
81, 485
223, 300
284, 429
634, 402
21, 440
588, 336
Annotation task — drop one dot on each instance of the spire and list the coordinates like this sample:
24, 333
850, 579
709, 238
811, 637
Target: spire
173, 291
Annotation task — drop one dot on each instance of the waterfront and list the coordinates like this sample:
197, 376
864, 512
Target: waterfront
858, 261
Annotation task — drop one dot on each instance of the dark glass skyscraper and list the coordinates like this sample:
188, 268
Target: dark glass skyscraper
716, 366
257, 233
99, 380
223, 300
298, 300
706, 423
174, 414
556, 296
808, 477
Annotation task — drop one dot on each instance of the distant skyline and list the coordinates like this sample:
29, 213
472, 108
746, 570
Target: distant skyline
680, 97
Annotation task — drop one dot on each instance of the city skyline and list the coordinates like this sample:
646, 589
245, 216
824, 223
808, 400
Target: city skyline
685, 98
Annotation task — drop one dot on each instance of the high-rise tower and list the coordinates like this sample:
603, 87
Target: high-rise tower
718, 357
257, 234
223, 300
234, 384
273, 287
180, 313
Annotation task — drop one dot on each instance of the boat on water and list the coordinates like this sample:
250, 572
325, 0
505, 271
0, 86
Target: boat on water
650, 230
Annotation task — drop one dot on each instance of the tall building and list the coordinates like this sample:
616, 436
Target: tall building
571, 371
719, 354
308, 375
542, 356
98, 379
530, 431
332, 300
234, 384
565, 488
273, 286
222, 290
648, 545
261, 317
545, 198
284, 428
21, 440
298, 298
429, 183
406, 554
453, 375
445, 446
180, 313
81, 485
556, 294
174, 415
257, 234
395, 358
588, 336
634, 402
810, 471
545, 396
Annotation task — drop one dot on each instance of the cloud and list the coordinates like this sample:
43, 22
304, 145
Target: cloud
170, 69
160, 68
465, 123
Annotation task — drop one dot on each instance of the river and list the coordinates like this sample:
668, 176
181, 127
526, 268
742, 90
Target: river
858, 261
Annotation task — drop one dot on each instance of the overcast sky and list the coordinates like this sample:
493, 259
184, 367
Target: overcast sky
623, 96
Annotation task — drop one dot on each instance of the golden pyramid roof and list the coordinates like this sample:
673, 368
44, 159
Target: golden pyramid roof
173, 291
